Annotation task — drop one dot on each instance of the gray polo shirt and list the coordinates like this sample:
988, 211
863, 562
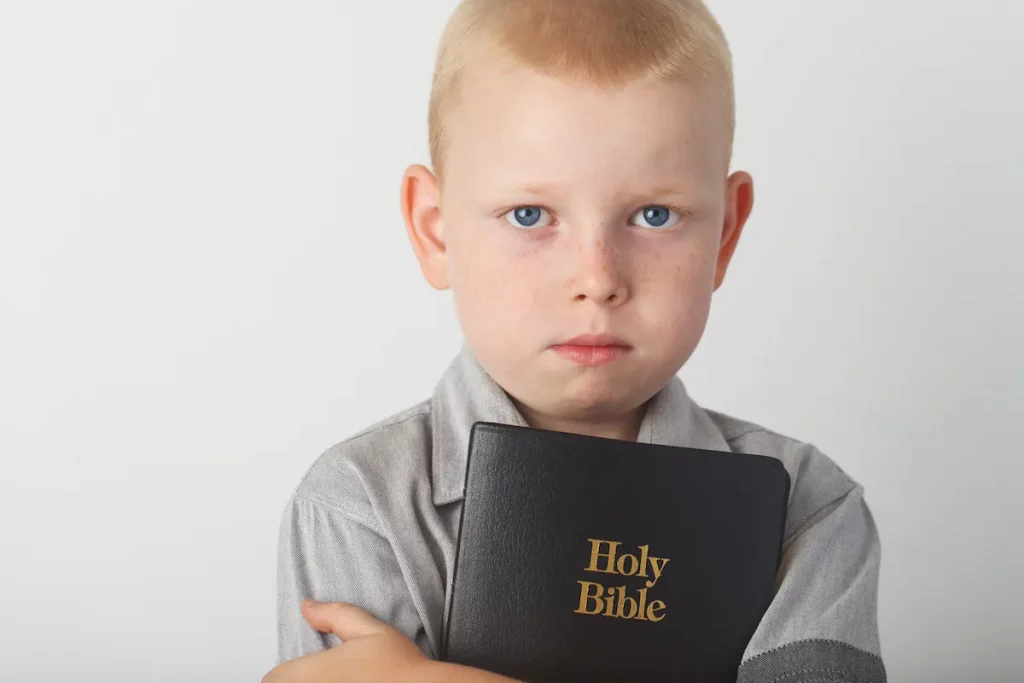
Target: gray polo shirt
374, 522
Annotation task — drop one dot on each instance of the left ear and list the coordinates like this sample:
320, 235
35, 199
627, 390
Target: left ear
739, 201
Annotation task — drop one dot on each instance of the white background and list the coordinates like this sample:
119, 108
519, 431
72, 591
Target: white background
204, 283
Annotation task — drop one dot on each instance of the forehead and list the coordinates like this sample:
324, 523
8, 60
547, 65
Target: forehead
512, 123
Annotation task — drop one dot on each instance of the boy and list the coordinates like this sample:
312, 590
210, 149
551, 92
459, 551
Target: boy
582, 212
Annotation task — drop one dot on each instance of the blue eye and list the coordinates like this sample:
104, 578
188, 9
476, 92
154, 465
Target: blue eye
655, 217
528, 217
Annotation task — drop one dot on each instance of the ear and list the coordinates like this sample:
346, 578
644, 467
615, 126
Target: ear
421, 208
739, 201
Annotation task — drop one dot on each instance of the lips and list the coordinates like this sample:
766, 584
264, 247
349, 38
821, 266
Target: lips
596, 340
592, 349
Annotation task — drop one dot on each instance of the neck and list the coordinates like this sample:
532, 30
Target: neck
623, 427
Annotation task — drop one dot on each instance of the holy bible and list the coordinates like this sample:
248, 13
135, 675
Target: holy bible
588, 559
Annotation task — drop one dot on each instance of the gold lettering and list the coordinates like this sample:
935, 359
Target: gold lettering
633, 608
595, 547
614, 602
643, 560
654, 606
657, 569
609, 604
585, 595
622, 562
643, 604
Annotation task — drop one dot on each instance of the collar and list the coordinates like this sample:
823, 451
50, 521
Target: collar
467, 394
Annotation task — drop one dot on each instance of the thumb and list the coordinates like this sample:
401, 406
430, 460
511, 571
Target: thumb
342, 619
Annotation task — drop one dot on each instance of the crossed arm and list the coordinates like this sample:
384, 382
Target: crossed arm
823, 619
372, 652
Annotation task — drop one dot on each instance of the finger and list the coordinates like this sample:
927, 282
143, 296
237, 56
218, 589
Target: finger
342, 619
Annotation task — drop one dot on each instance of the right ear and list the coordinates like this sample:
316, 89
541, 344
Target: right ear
421, 208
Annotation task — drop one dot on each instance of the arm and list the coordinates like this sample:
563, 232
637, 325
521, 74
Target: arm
822, 624
372, 652
443, 672
330, 553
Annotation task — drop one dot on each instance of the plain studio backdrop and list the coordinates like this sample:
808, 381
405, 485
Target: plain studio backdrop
205, 283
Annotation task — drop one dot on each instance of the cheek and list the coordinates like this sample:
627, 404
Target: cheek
677, 268
694, 273
676, 284
495, 284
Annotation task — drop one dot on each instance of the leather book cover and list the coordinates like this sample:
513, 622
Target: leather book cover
588, 559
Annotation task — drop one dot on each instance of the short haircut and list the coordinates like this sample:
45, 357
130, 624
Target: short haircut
606, 43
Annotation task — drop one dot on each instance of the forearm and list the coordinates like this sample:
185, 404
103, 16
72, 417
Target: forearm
446, 672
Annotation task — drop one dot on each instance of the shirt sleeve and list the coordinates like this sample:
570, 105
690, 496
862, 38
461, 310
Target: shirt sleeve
822, 625
329, 555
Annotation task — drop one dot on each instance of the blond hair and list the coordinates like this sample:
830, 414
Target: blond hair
606, 43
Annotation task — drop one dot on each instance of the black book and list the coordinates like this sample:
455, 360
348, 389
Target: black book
588, 559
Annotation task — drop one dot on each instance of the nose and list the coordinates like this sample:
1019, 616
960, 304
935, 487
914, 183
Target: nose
598, 273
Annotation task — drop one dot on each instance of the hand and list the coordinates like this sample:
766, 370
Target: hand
371, 651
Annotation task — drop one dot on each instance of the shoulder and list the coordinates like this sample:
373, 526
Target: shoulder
348, 476
817, 481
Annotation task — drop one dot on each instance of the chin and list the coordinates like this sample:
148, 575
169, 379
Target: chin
592, 396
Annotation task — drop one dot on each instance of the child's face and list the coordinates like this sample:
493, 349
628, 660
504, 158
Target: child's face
569, 210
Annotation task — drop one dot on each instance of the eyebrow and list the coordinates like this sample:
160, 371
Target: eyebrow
663, 191
555, 190
544, 190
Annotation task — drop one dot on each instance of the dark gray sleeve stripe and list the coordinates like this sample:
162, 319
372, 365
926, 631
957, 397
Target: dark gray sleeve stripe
813, 661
